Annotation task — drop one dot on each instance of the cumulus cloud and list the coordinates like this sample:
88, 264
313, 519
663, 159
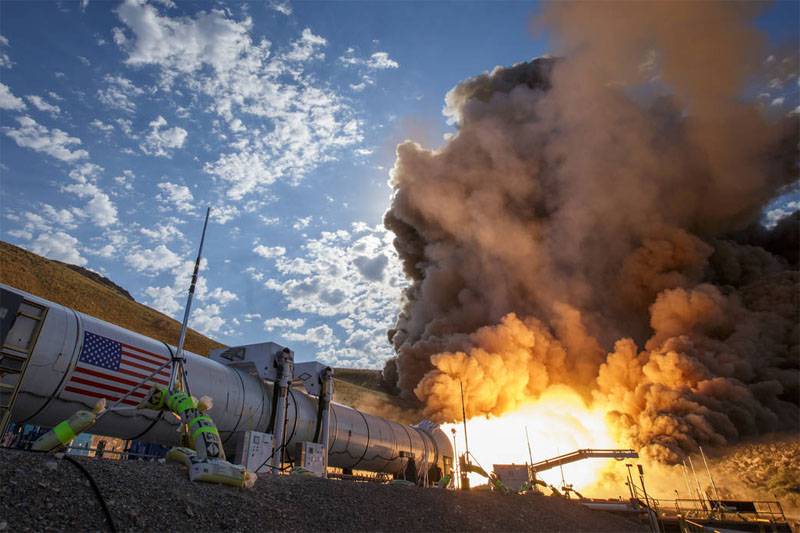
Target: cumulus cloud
269, 252
367, 67
326, 280
42, 105
301, 222
8, 100
119, 93
377, 61
272, 324
284, 8
307, 47
224, 213
125, 179
5, 60
321, 336
55, 143
160, 140
170, 299
46, 219
100, 208
178, 196
102, 126
207, 319
222, 296
162, 233
153, 260
59, 246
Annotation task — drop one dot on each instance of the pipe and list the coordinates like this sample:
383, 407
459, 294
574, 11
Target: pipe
61, 378
285, 362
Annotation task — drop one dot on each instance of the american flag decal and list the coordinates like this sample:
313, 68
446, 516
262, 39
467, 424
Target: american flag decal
110, 369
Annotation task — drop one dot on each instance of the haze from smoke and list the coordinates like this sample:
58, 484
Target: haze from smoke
587, 226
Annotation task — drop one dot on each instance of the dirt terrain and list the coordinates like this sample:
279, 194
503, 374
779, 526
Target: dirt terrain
43, 493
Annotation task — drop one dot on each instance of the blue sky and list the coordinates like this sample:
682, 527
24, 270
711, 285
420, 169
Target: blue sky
122, 121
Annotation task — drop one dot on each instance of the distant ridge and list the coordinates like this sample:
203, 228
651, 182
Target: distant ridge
98, 278
93, 294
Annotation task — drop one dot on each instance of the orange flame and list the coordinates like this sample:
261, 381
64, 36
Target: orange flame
558, 422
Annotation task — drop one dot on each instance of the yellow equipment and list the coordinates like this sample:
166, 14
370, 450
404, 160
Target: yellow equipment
206, 462
63, 433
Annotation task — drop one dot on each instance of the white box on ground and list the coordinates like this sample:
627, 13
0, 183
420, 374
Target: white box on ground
309, 455
255, 451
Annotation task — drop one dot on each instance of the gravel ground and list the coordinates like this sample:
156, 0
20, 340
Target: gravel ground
42, 493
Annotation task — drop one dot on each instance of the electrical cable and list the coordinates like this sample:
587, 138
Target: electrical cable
97, 492
286, 441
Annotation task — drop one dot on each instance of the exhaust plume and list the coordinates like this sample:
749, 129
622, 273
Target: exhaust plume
591, 224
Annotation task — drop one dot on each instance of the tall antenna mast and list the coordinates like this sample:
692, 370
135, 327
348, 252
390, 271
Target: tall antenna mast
464, 417
179, 359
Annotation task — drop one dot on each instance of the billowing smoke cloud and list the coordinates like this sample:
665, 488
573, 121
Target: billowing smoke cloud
588, 225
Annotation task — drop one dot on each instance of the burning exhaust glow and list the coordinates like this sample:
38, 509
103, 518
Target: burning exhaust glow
558, 422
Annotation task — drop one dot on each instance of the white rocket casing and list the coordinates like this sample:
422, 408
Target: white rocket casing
241, 402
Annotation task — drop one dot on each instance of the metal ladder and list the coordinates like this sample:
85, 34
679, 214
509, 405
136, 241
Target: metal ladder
15, 353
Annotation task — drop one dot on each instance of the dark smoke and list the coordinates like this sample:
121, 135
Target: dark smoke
613, 194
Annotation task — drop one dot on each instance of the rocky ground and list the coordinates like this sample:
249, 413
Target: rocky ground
43, 493
763, 468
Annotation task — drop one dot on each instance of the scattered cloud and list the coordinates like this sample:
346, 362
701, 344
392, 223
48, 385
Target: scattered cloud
102, 126
153, 260
222, 296
8, 100
307, 47
160, 140
55, 143
298, 122
5, 60
269, 252
284, 8
99, 208
377, 61
162, 233
178, 196
41, 104
301, 223
118, 93
59, 246
271, 324
125, 179
321, 336
254, 273
224, 213
340, 275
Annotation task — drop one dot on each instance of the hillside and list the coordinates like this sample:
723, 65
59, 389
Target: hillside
93, 295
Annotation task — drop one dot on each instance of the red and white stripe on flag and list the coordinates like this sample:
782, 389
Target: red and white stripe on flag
110, 369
